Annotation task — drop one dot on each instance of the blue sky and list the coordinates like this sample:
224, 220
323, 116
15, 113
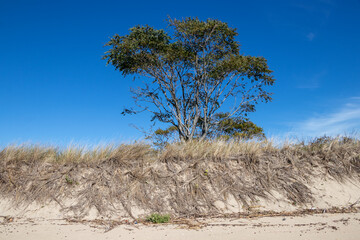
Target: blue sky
56, 89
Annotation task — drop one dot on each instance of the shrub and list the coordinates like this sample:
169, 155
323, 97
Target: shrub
158, 218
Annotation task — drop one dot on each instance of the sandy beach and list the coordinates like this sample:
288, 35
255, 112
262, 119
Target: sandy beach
320, 226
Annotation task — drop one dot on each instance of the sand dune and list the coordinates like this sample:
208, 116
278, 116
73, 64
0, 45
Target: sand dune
211, 190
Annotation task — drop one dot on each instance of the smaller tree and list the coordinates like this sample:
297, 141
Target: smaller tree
161, 137
226, 129
236, 127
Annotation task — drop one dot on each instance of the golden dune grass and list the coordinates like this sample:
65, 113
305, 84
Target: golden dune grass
184, 179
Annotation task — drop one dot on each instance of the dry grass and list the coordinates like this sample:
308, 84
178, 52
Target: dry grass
184, 179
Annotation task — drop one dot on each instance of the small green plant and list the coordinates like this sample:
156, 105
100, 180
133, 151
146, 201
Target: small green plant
158, 218
69, 180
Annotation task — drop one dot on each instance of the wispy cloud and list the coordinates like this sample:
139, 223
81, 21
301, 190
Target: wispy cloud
310, 82
317, 14
329, 2
310, 36
344, 120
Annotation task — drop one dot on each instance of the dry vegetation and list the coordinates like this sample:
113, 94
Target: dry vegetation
184, 179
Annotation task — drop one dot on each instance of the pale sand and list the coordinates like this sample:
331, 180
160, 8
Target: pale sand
46, 222
322, 226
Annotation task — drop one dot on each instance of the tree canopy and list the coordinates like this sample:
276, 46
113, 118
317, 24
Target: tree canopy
194, 71
226, 129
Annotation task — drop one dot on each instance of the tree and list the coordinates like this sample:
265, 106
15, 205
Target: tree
236, 127
227, 128
192, 75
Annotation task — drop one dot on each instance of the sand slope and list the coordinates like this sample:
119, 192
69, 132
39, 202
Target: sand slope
305, 192
48, 222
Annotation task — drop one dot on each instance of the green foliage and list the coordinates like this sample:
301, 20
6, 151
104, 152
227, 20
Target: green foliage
226, 128
191, 73
158, 218
162, 137
69, 180
133, 53
165, 132
232, 127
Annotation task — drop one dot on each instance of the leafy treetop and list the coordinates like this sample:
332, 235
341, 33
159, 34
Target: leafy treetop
194, 74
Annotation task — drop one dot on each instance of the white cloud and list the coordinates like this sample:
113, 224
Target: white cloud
345, 120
